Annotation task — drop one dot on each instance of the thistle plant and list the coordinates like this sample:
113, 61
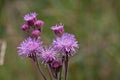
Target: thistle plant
55, 56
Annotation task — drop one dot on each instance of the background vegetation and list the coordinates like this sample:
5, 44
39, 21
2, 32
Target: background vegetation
95, 23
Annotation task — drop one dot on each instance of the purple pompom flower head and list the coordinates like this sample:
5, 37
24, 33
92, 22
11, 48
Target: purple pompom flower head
66, 44
30, 18
58, 29
48, 55
29, 47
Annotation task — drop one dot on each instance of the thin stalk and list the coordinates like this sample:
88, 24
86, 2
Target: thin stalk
50, 72
60, 75
56, 76
40, 70
66, 67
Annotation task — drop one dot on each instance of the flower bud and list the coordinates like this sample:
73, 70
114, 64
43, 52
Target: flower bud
58, 29
25, 27
35, 33
30, 18
39, 23
56, 65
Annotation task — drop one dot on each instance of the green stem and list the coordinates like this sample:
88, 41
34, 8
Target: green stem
60, 75
40, 70
50, 72
66, 67
56, 76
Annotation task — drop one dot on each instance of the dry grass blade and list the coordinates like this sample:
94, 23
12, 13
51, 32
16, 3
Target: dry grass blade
3, 50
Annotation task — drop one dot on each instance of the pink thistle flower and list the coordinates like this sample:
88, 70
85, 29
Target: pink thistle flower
67, 44
29, 46
48, 55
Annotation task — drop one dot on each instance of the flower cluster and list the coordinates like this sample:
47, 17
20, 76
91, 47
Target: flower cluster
63, 46
32, 25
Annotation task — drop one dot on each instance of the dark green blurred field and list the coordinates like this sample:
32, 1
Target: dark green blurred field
95, 23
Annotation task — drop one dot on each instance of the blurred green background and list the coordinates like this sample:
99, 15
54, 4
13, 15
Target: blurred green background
95, 23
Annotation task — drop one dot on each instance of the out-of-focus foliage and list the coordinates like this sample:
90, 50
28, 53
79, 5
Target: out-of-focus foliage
95, 23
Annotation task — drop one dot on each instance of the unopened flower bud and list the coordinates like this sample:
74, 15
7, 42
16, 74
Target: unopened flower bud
39, 23
25, 27
58, 29
56, 65
35, 33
